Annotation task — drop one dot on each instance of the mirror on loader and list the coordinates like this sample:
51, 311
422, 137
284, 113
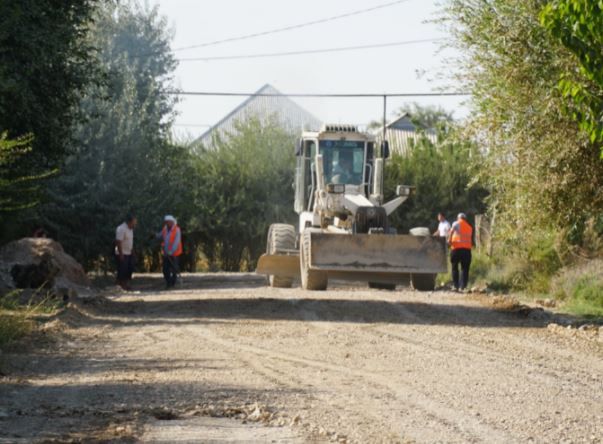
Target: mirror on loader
404, 190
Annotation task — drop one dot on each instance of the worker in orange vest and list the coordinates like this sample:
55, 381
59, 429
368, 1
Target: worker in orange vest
460, 239
171, 248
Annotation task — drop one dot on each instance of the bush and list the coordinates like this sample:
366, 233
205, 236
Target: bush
496, 275
581, 287
13, 326
481, 266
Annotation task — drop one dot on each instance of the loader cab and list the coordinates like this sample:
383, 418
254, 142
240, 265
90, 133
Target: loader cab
343, 161
348, 158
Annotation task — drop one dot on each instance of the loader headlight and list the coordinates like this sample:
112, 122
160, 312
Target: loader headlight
336, 188
404, 190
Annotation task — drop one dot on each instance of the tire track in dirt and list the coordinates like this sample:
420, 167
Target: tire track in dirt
469, 428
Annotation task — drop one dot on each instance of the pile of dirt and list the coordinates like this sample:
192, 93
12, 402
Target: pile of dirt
41, 263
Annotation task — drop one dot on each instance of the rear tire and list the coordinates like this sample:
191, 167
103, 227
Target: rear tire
280, 237
310, 279
423, 282
382, 286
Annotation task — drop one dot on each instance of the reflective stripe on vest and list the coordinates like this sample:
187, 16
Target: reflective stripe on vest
170, 242
462, 238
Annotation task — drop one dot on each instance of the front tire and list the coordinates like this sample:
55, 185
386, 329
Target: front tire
423, 282
280, 237
310, 279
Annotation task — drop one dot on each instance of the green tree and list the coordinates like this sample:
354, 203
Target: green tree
442, 172
17, 191
246, 185
45, 62
578, 25
124, 161
543, 172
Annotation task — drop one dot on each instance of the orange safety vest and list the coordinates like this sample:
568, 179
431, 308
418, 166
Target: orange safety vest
164, 234
462, 237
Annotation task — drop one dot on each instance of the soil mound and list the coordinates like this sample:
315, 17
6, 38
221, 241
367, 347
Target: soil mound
40, 263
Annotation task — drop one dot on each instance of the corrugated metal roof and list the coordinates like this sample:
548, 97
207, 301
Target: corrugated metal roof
292, 116
402, 123
402, 134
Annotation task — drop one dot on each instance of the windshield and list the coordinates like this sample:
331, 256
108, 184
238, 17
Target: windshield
343, 161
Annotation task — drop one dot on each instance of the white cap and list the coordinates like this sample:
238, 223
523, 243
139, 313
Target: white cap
169, 218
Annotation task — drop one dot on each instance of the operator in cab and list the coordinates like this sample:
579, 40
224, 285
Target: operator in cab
343, 171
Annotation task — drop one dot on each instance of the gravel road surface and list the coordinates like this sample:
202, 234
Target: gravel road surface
223, 358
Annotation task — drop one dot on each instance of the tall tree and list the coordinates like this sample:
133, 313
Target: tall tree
542, 169
442, 172
45, 62
123, 161
245, 186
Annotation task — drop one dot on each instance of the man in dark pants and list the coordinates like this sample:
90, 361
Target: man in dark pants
171, 247
460, 239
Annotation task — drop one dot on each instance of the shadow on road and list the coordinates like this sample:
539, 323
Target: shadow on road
203, 308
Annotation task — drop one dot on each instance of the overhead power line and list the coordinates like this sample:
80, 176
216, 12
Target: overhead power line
291, 27
307, 51
200, 125
317, 95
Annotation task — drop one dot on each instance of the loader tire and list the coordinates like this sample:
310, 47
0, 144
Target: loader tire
423, 282
382, 286
280, 237
310, 279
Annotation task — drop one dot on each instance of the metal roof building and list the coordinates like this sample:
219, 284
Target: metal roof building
402, 134
289, 114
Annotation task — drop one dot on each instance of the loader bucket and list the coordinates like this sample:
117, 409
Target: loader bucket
377, 253
282, 265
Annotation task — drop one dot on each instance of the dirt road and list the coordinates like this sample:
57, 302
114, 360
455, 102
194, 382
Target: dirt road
346, 365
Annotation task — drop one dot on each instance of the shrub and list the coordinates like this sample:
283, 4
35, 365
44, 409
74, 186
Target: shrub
12, 326
581, 287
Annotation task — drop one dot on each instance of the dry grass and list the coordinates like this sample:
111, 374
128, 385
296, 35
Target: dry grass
13, 325
581, 287
17, 314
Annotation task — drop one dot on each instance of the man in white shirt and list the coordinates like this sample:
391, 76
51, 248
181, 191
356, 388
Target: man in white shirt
443, 227
124, 251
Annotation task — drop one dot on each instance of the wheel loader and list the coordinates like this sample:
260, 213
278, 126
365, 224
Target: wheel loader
343, 230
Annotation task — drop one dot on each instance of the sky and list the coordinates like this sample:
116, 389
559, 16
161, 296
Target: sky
397, 69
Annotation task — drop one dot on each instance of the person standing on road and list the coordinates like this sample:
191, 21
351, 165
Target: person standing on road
124, 251
460, 239
171, 248
443, 226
